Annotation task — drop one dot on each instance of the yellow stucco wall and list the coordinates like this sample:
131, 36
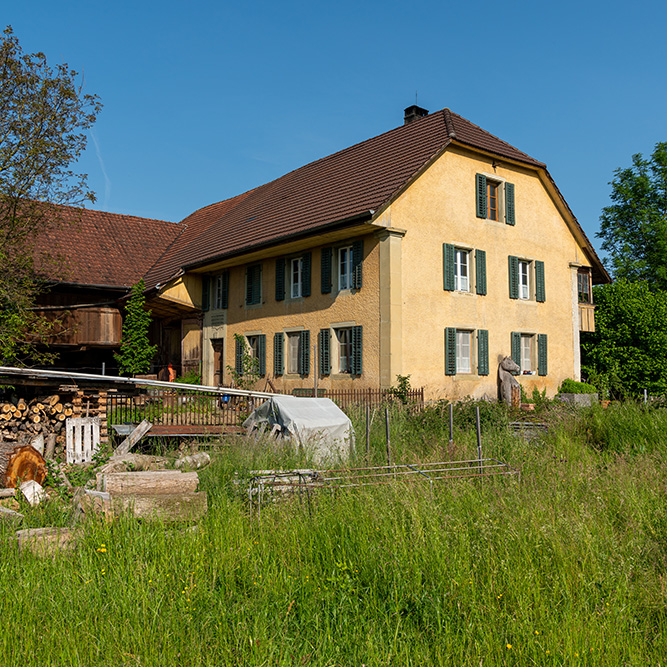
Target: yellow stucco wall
346, 308
439, 207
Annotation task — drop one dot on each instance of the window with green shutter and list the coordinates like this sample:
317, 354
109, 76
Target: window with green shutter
450, 351
327, 254
482, 352
324, 347
481, 197
261, 354
357, 366
516, 349
238, 354
278, 353
253, 294
480, 271
448, 266
541, 354
540, 290
221, 291
205, 292
509, 204
513, 269
304, 353
280, 279
307, 260
357, 264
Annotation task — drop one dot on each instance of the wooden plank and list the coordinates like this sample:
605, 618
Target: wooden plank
162, 507
132, 439
148, 482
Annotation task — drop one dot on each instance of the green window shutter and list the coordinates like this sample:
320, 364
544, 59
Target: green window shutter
278, 350
509, 204
448, 267
540, 291
261, 353
205, 292
516, 349
482, 352
305, 278
257, 285
280, 279
249, 286
357, 262
514, 276
239, 342
541, 354
357, 350
327, 254
480, 268
450, 351
481, 197
224, 279
304, 357
324, 345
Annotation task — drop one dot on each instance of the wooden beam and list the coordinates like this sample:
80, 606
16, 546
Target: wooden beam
132, 439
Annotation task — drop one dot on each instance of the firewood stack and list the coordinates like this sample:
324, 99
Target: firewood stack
23, 421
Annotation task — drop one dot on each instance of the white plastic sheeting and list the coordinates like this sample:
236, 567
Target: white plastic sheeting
317, 425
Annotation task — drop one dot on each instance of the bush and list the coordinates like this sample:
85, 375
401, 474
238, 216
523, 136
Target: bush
573, 387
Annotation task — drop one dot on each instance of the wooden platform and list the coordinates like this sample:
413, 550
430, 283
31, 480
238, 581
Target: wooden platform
191, 430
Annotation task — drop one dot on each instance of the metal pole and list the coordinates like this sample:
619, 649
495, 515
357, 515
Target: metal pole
479, 438
104, 368
451, 424
386, 424
316, 364
368, 430
645, 396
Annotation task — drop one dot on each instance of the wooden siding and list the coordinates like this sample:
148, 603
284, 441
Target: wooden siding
97, 326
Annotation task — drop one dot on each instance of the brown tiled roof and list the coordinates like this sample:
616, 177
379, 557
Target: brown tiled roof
105, 249
337, 188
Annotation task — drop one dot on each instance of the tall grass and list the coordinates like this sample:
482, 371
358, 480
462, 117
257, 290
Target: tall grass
567, 567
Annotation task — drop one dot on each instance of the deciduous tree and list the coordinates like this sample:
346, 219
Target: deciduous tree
43, 118
634, 227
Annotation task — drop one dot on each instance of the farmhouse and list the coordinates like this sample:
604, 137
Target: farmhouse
433, 250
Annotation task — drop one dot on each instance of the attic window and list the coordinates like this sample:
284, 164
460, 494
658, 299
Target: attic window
495, 199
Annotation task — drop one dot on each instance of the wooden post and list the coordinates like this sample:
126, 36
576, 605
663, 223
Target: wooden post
479, 438
386, 423
315, 366
368, 430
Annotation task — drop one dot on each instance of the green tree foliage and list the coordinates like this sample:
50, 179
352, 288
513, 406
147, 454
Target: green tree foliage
43, 118
136, 352
634, 227
627, 353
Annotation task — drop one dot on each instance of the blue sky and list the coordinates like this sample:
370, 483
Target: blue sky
204, 100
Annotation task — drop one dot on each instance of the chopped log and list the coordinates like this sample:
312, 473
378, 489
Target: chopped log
6, 407
134, 462
132, 439
156, 482
38, 443
20, 462
7, 493
33, 492
162, 507
50, 446
52, 400
58, 407
10, 515
194, 461
46, 541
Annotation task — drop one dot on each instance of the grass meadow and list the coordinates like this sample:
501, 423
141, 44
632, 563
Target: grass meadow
566, 567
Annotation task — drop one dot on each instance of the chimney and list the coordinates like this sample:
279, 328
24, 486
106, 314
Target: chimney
414, 113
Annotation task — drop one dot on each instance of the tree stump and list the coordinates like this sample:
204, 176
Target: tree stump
20, 463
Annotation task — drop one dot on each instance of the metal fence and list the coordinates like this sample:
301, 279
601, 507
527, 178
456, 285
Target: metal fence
347, 397
174, 408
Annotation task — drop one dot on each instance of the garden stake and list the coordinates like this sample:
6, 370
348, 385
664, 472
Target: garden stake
479, 438
386, 423
368, 430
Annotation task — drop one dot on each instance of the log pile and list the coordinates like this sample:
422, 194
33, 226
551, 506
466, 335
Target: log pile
25, 420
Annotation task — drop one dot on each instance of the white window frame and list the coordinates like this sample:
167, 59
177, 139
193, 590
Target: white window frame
344, 262
462, 270
252, 342
343, 338
464, 360
525, 286
296, 277
527, 354
293, 345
